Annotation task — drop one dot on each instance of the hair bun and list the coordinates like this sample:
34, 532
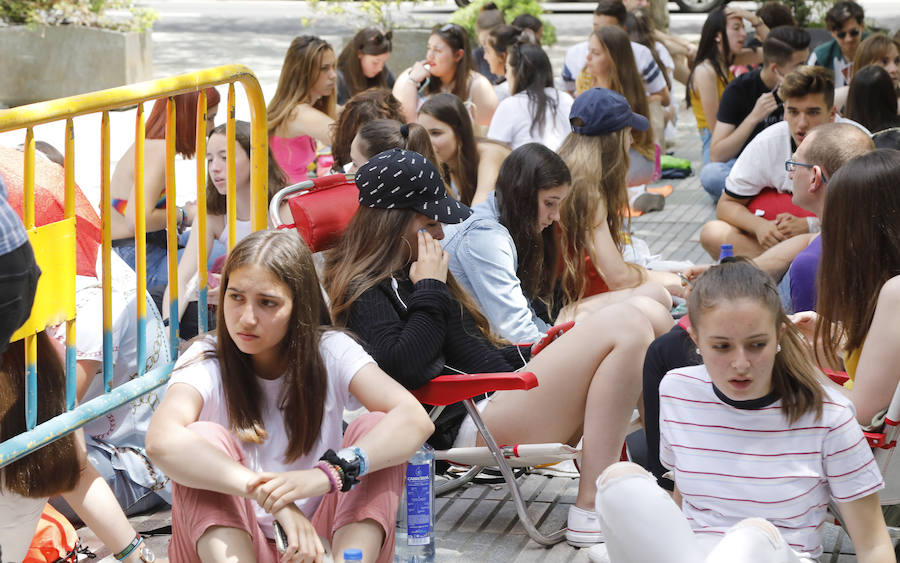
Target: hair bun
526, 36
404, 131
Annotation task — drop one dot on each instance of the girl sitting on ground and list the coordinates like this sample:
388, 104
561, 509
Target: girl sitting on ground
744, 495
535, 112
302, 111
60, 467
471, 165
252, 418
858, 292
611, 64
216, 213
505, 254
122, 220
447, 68
591, 218
363, 63
361, 109
388, 281
721, 47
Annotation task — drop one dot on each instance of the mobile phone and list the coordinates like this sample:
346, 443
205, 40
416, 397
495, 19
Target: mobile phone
281, 541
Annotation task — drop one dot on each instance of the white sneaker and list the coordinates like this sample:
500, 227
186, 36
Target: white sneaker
598, 554
583, 528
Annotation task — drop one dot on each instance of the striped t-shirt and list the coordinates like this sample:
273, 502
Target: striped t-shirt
731, 463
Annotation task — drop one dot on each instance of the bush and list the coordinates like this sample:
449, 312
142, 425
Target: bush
89, 13
511, 8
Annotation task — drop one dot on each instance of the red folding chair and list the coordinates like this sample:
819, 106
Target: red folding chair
321, 209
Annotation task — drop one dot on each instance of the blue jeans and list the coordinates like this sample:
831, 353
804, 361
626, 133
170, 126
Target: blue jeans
712, 177
157, 263
706, 139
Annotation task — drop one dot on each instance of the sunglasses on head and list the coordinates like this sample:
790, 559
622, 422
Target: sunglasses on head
386, 36
448, 27
853, 33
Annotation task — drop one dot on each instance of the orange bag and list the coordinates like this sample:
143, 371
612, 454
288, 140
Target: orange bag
55, 540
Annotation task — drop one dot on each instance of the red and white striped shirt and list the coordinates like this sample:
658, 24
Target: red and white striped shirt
731, 463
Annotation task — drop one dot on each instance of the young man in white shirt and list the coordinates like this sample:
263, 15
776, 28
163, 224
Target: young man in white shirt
808, 94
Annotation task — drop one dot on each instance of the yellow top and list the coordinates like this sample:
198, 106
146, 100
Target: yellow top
851, 361
698, 107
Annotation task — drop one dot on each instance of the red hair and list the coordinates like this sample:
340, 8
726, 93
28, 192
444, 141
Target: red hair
185, 120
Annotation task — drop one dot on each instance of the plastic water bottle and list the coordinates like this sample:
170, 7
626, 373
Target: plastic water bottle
352, 555
725, 251
415, 515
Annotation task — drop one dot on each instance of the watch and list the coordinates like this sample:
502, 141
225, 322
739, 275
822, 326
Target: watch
146, 554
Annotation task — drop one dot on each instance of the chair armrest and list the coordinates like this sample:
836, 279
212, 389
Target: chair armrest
449, 389
552, 334
839, 377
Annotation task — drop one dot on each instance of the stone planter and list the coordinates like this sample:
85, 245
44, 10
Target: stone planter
48, 62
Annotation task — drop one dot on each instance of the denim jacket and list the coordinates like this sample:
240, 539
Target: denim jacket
483, 259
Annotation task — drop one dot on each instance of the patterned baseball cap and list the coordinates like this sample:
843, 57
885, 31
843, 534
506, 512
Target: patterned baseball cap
404, 179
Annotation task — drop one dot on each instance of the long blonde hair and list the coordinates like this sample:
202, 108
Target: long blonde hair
371, 251
591, 188
300, 71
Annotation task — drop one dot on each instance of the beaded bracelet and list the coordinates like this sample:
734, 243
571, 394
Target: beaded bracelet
331, 472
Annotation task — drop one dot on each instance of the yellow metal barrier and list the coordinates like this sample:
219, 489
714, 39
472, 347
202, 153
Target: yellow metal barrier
55, 300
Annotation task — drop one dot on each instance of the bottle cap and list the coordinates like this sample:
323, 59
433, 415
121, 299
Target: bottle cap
353, 554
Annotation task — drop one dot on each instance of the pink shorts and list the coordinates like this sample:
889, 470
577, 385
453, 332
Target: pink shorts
194, 511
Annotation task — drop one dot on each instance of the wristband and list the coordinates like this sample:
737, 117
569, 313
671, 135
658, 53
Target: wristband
413, 80
332, 474
814, 224
129, 548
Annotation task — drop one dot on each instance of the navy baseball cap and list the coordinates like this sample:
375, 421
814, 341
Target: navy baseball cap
599, 111
404, 179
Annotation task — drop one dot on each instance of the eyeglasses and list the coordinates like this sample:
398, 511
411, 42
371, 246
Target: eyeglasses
853, 33
791, 166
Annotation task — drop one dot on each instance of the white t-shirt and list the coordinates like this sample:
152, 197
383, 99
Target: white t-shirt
19, 517
732, 463
576, 58
513, 120
761, 164
343, 358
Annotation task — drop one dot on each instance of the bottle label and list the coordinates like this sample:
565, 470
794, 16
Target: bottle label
418, 504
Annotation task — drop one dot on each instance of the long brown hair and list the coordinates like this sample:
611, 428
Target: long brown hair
373, 250
628, 82
367, 41
795, 377
303, 386
526, 172
185, 120
300, 71
54, 468
448, 109
216, 203
861, 238
592, 189
362, 108
457, 38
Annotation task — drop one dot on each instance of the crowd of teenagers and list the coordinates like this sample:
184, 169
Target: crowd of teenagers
495, 198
